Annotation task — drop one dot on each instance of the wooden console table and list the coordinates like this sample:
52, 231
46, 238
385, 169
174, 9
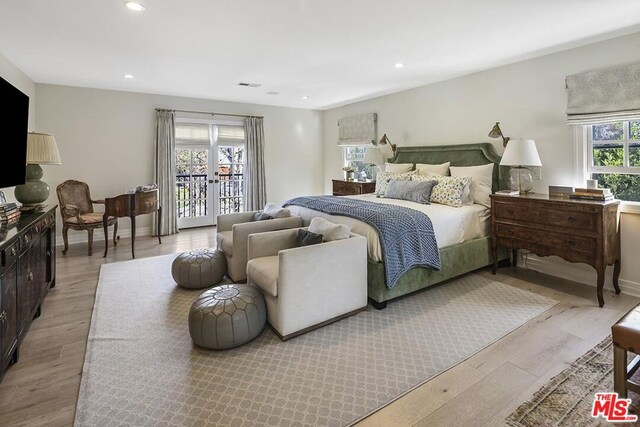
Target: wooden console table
131, 205
575, 230
27, 271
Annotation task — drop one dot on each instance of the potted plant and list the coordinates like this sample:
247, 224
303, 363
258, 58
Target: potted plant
349, 172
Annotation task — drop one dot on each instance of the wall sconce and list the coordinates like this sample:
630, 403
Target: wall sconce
496, 132
385, 140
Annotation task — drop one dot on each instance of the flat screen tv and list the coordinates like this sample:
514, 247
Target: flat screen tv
14, 118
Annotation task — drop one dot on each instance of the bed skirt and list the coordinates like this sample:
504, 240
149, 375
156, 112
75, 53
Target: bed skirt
455, 261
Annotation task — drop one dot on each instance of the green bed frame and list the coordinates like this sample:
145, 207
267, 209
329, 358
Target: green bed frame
457, 259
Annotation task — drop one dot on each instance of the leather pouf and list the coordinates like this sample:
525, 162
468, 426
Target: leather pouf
227, 316
199, 268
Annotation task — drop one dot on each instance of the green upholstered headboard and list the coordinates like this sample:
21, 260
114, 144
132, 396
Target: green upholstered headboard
459, 155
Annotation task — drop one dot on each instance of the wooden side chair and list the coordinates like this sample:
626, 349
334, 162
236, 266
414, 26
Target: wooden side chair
76, 208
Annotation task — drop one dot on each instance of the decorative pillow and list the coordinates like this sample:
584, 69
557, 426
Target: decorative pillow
307, 238
275, 211
449, 190
261, 216
413, 191
382, 180
426, 169
329, 230
398, 167
482, 179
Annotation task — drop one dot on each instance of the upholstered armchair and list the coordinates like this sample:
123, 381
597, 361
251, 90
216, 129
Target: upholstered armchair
309, 286
233, 230
76, 208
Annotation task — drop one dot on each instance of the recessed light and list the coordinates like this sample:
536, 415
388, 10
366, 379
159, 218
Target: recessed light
273, 93
134, 5
399, 65
127, 76
305, 97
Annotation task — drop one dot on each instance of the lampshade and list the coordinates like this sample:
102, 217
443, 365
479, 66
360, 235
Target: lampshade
521, 152
42, 149
373, 156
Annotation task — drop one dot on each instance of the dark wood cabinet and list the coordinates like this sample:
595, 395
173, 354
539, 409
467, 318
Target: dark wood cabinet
349, 188
27, 271
575, 230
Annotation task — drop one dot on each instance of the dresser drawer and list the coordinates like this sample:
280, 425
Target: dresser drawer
560, 242
345, 188
524, 214
10, 253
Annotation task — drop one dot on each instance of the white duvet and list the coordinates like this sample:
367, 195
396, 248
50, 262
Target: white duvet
450, 225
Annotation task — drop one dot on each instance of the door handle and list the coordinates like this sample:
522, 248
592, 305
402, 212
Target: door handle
210, 181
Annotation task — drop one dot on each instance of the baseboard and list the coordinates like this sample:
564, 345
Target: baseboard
98, 235
580, 273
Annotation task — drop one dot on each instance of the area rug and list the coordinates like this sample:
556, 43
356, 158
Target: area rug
142, 369
567, 399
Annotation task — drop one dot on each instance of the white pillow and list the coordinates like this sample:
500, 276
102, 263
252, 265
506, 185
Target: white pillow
275, 211
426, 169
328, 229
398, 167
481, 180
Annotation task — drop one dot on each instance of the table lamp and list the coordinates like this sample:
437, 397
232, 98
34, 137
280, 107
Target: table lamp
373, 156
41, 150
521, 153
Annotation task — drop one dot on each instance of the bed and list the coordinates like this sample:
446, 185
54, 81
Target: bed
462, 234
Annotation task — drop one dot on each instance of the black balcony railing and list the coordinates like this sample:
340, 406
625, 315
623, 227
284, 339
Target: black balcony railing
192, 193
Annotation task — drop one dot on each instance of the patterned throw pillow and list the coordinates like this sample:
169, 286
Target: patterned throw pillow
449, 190
383, 178
413, 191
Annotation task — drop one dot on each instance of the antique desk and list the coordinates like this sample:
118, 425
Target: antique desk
575, 230
131, 205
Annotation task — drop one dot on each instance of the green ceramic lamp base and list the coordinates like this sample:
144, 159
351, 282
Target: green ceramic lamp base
34, 192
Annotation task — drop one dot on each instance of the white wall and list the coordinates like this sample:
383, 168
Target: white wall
106, 138
529, 100
13, 75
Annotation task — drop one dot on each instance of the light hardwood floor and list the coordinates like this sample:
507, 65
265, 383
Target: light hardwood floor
42, 388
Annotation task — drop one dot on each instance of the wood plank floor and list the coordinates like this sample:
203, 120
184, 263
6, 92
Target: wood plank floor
42, 388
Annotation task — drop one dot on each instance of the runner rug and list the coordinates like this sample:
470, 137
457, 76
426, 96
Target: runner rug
142, 369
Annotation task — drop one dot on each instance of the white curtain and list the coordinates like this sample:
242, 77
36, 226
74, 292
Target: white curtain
255, 193
604, 95
166, 171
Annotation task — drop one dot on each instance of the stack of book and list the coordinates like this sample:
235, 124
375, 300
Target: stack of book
598, 194
9, 214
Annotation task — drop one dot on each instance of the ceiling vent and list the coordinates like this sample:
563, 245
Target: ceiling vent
249, 84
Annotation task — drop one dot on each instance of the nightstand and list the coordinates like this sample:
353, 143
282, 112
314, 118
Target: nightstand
575, 230
349, 188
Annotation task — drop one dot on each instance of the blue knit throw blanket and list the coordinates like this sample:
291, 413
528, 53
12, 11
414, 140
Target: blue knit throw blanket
406, 235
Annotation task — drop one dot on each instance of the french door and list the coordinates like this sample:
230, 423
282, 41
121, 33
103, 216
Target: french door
210, 162
194, 186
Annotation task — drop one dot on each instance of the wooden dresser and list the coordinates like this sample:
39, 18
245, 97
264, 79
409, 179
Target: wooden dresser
349, 188
575, 230
27, 271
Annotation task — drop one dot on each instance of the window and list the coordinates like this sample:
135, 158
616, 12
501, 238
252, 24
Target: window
353, 156
231, 177
614, 158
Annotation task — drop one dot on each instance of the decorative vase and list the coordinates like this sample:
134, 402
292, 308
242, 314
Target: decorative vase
348, 176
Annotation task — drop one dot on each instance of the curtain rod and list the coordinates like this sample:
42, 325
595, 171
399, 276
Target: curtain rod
211, 113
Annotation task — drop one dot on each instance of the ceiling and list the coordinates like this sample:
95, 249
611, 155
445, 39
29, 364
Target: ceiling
333, 51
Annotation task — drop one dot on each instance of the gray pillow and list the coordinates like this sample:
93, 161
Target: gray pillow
261, 216
413, 191
306, 238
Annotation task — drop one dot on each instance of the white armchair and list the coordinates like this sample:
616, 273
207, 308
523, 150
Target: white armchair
233, 230
310, 286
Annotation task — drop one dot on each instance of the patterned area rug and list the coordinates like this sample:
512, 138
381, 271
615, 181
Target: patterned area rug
567, 399
141, 368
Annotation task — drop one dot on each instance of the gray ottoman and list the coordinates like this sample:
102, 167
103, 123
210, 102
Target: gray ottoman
199, 268
227, 316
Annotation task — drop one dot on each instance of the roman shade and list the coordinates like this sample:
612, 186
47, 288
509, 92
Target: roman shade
228, 135
605, 95
357, 130
192, 133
